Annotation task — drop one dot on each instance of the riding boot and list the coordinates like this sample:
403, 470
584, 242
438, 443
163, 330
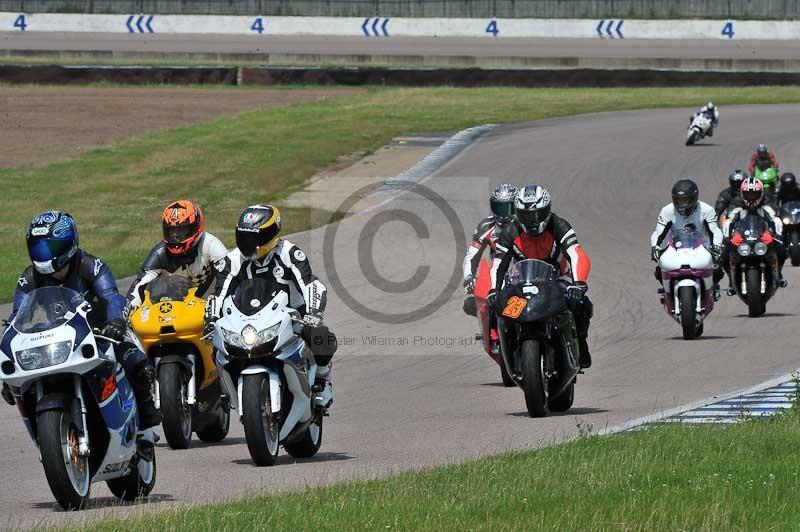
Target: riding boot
584, 358
149, 415
324, 387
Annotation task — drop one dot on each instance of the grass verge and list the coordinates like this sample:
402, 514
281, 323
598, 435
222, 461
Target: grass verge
116, 193
675, 477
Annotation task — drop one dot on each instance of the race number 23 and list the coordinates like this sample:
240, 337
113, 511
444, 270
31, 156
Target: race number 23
514, 307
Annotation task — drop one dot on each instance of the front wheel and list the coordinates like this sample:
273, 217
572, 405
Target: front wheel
691, 138
175, 410
755, 303
260, 424
688, 301
141, 479
794, 247
533, 377
309, 443
66, 471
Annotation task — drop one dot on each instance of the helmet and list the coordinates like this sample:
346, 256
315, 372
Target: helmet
752, 192
258, 231
761, 150
532, 209
501, 202
52, 240
684, 196
788, 181
735, 179
710, 106
183, 226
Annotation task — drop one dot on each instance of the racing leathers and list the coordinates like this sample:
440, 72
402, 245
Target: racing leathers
703, 218
768, 161
92, 278
199, 266
288, 266
485, 236
776, 227
727, 200
786, 195
558, 246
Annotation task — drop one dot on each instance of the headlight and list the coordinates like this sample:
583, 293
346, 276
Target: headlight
268, 334
743, 249
249, 337
787, 221
44, 356
760, 248
232, 338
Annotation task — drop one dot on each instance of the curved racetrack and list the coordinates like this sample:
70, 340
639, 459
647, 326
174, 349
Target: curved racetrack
405, 406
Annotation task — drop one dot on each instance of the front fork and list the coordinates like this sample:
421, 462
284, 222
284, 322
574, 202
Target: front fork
83, 438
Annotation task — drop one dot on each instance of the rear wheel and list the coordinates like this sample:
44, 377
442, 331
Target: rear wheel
563, 402
535, 385
755, 304
309, 443
66, 471
794, 247
141, 480
688, 301
175, 410
260, 424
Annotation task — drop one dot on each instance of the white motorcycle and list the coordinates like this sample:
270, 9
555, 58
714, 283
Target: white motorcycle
687, 275
268, 372
698, 129
75, 400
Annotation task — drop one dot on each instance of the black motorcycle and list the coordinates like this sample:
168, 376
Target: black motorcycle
538, 340
754, 263
790, 215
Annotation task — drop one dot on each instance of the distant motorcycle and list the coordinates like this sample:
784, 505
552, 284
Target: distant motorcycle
790, 215
687, 274
268, 372
538, 340
75, 400
754, 263
698, 128
488, 335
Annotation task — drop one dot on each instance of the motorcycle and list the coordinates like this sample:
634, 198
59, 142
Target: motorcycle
488, 335
790, 215
75, 400
698, 128
754, 264
687, 275
268, 372
169, 324
538, 340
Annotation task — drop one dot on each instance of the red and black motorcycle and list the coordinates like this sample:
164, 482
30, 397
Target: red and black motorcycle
488, 332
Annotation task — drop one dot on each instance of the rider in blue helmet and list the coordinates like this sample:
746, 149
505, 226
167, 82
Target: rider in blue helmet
57, 260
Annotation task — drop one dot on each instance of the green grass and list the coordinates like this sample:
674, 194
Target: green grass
117, 193
671, 478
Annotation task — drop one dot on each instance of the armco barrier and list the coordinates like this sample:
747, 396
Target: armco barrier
467, 77
381, 27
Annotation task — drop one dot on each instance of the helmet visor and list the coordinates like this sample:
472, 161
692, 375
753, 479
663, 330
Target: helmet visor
685, 204
177, 234
502, 209
47, 249
532, 219
752, 197
250, 240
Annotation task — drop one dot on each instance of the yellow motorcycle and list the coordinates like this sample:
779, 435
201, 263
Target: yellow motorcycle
170, 326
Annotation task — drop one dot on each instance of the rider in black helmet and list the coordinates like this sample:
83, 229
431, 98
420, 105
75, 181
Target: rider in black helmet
789, 191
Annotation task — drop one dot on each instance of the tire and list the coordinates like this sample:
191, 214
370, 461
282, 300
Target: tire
71, 483
309, 443
175, 412
534, 387
755, 303
563, 402
138, 483
260, 426
794, 248
217, 433
690, 140
508, 382
688, 301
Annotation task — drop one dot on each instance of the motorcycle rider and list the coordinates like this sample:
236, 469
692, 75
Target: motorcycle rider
186, 250
754, 202
711, 112
261, 252
538, 233
685, 210
789, 191
501, 203
728, 198
762, 158
57, 260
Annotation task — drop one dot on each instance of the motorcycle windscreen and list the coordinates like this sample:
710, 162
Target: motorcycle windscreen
46, 308
167, 287
532, 292
252, 294
751, 227
687, 236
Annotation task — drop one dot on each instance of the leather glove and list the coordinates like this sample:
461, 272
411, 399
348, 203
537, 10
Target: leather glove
655, 253
7, 395
469, 284
716, 253
312, 320
491, 300
115, 329
577, 290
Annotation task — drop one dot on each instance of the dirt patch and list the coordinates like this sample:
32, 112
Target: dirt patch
43, 124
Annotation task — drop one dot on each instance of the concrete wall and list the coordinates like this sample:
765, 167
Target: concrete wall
741, 9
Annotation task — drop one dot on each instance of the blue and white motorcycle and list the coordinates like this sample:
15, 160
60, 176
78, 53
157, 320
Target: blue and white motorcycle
75, 400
